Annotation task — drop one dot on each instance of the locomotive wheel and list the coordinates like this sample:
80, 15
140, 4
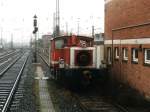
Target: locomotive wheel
52, 73
57, 74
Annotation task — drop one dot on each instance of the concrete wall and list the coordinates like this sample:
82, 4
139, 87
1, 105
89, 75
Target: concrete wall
121, 13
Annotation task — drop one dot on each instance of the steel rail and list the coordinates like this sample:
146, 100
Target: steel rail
123, 109
79, 102
5, 52
9, 98
3, 56
9, 59
44, 60
86, 109
11, 64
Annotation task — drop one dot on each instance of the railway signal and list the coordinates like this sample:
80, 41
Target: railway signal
35, 24
35, 33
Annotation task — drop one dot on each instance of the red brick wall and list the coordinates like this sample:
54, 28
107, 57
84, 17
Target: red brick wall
122, 13
136, 75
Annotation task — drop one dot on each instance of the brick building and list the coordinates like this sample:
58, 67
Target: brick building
127, 42
46, 40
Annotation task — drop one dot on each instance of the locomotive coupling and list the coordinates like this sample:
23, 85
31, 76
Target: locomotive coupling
87, 75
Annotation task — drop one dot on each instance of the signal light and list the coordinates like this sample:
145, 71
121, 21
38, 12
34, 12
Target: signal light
35, 30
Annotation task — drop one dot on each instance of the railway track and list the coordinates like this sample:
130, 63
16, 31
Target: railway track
7, 61
2, 53
7, 55
92, 101
44, 59
19, 94
9, 81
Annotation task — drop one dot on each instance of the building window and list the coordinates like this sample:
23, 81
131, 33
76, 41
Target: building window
147, 56
125, 54
109, 55
134, 55
116, 53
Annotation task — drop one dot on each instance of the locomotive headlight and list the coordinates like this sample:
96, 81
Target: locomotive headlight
61, 63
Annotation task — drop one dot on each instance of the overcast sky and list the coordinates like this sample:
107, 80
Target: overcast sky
16, 17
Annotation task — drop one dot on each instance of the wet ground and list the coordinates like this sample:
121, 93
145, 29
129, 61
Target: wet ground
43, 94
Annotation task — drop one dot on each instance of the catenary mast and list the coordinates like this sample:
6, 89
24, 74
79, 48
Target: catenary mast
57, 19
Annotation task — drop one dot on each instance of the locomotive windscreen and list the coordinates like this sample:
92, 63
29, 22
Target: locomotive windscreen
83, 58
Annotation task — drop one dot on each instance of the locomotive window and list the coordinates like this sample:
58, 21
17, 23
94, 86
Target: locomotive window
59, 44
147, 56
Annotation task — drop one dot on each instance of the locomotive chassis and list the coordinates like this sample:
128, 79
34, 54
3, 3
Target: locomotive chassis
80, 76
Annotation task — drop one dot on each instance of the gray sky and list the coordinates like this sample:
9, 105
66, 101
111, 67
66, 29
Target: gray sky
16, 17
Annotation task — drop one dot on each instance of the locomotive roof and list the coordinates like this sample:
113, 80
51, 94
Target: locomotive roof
78, 36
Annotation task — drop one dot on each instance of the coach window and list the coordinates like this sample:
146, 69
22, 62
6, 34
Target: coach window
147, 56
59, 44
109, 55
134, 55
116, 53
125, 54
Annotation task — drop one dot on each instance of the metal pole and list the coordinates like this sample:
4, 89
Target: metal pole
78, 27
54, 24
66, 28
35, 54
93, 31
57, 19
58, 16
1, 36
12, 41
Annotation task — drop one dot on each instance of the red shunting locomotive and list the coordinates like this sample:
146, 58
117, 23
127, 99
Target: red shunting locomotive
73, 59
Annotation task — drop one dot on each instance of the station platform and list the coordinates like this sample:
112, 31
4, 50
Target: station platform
45, 101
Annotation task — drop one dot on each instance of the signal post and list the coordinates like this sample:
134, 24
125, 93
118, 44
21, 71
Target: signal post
35, 34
